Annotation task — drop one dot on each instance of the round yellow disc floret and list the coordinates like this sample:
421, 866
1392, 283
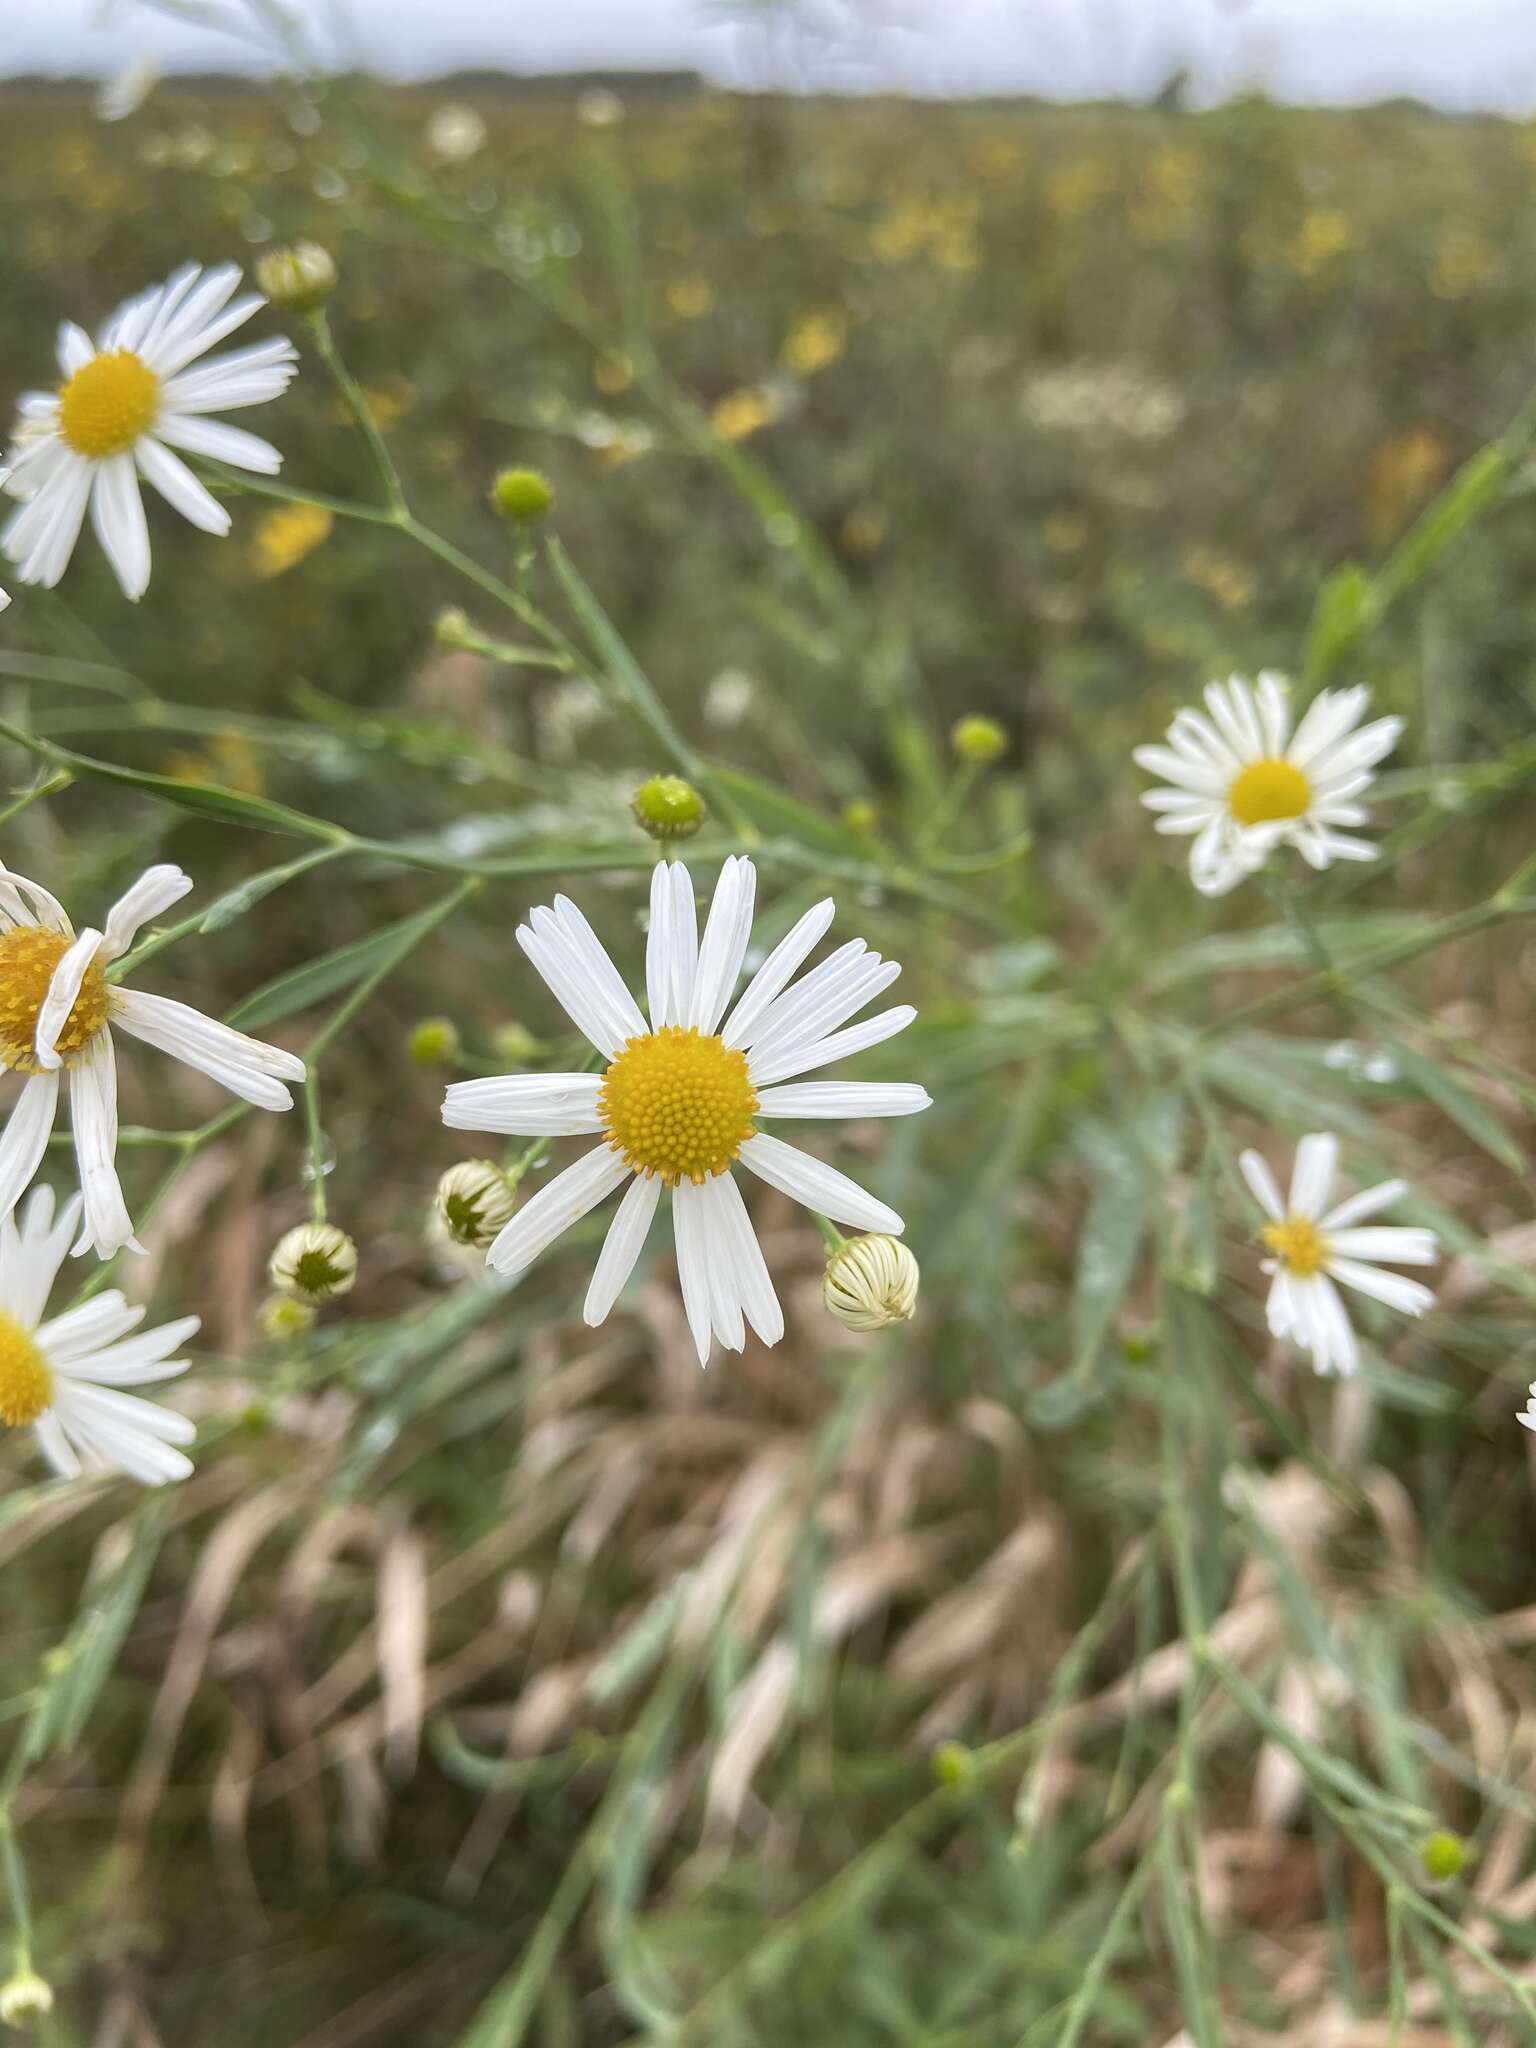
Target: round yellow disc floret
26, 1384
28, 956
678, 1103
108, 403
1298, 1245
1266, 791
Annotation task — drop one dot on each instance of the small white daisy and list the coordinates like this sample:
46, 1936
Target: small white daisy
1527, 1414
63, 1377
1244, 783
125, 402
677, 1101
56, 1013
1314, 1246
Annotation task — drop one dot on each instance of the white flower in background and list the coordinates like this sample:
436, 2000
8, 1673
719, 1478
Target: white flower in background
125, 403
1527, 1414
677, 1101
1243, 783
1315, 1245
64, 1377
456, 132
57, 1013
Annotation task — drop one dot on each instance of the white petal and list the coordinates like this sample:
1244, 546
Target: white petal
693, 1267
1274, 709
41, 537
108, 1440
117, 513
24, 902
63, 987
1386, 1245
724, 945
179, 487
777, 970
192, 326
107, 1226
220, 443
1412, 1297
70, 1339
576, 995
32, 1252
588, 951
155, 890
749, 1269
1335, 1349
694, 1209
1191, 777
75, 348
818, 1186
844, 1099
1369, 1202
245, 376
658, 938
819, 1003
55, 1446
141, 1360
682, 942
804, 1059
1261, 1182
621, 1247
525, 1105
555, 1208
247, 1067
1326, 719
1317, 1159
25, 1138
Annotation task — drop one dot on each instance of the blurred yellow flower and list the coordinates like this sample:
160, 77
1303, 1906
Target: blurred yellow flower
228, 760
1323, 236
1077, 187
1403, 474
388, 401
1221, 576
815, 341
1463, 262
690, 298
740, 413
612, 374
285, 536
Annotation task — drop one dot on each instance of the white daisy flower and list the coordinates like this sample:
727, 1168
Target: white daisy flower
1527, 1414
1243, 783
57, 1012
678, 1098
125, 403
64, 1376
1315, 1245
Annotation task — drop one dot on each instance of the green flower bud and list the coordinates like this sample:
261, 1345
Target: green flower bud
977, 740
666, 807
860, 816
953, 1764
515, 1044
315, 1261
871, 1283
523, 495
475, 1200
301, 277
1442, 1856
453, 628
434, 1042
283, 1316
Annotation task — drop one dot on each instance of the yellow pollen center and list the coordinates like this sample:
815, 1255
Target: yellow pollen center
108, 403
1267, 790
28, 956
1298, 1245
26, 1384
677, 1103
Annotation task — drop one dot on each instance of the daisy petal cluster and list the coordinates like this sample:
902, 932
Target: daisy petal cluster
66, 1376
1241, 783
678, 1100
58, 1013
124, 405
1317, 1247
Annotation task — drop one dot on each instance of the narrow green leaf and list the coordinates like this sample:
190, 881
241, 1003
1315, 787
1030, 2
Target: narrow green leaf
316, 979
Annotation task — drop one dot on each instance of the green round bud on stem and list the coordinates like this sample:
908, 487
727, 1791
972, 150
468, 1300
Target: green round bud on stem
515, 1044
315, 1261
523, 495
283, 1316
453, 628
300, 277
434, 1042
666, 807
475, 1201
953, 1764
860, 817
871, 1283
1442, 1856
978, 741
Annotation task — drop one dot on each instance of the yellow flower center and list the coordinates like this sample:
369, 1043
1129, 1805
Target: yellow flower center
1298, 1245
108, 403
677, 1103
1267, 790
28, 956
26, 1383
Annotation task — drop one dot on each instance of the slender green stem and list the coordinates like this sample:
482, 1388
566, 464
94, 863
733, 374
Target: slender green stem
357, 404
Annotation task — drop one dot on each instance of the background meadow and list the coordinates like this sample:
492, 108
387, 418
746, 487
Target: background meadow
1069, 1666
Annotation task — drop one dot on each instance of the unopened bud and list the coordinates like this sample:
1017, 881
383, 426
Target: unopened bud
977, 740
515, 1044
475, 1201
1442, 1856
284, 1316
24, 1998
953, 1764
523, 495
434, 1042
871, 1283
300, 277
666, 807
860, 817
453, 628
315, 1261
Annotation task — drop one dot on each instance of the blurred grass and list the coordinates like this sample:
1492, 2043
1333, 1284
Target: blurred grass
499, 1681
